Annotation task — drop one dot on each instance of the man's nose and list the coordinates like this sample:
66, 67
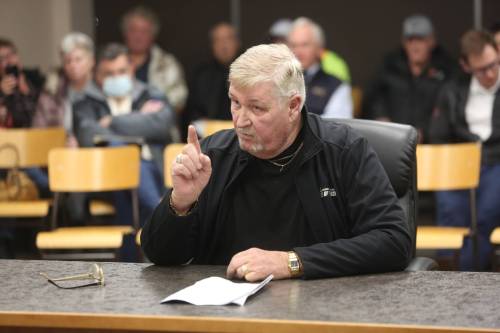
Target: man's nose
243, 120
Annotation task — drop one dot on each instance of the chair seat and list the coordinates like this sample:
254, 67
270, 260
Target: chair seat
495, 236
95, 237
35, 208
101, 208
436, 238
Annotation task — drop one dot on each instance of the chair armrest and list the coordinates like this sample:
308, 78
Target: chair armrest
422, 264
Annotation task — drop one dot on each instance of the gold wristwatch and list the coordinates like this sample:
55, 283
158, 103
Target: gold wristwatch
294, 264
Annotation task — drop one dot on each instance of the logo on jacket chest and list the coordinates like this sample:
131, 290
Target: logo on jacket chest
327, 192
318, 91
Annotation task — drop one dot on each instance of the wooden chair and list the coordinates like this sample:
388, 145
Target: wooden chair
32, 148
90, 170
448, 167
357, 98
169, 154
208, 127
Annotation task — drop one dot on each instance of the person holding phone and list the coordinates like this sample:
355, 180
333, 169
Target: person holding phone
19, 89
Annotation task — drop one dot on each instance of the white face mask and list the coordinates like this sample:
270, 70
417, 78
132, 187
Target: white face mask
117, 86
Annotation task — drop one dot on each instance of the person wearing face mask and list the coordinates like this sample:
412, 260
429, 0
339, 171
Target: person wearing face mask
117, 105
468, 109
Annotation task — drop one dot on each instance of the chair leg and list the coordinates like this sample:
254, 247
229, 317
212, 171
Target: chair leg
474, 230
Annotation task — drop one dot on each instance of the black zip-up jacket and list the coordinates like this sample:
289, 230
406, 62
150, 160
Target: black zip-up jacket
398, 95
449, 122
361, 229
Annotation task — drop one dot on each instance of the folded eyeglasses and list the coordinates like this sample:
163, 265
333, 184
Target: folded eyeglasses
95, 273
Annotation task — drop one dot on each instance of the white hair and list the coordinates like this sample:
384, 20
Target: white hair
317, 31
269, 63
77, 40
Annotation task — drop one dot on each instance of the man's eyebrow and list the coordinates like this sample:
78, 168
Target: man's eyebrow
256, 100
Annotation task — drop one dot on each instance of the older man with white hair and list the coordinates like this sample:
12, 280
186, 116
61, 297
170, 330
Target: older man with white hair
327, 95
284, 193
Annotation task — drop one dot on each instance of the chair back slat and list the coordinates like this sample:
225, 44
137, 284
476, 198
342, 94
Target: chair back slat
32, 144
169, 154
94, 169
448, 166
213, 126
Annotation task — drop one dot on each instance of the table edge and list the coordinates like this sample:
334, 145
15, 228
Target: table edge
135, 322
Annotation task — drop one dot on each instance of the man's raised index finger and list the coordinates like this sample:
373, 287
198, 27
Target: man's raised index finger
193, 138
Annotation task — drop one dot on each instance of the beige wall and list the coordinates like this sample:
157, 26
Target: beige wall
37, 27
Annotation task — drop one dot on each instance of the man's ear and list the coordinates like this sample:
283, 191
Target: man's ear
294, 106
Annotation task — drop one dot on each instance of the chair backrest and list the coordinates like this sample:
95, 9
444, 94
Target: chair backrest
94, 169
210, 127
395, 145
32, 145
357, 98
448, 166
169, 154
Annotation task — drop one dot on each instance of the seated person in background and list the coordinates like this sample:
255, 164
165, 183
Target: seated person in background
19, 88
284, 193
469, 110
152, 65
208, 90
327, 95
66, 86
331, 62
117, 104
63, 88
406, 86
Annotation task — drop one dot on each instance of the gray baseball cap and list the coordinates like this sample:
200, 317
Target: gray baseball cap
281, 28
417, 26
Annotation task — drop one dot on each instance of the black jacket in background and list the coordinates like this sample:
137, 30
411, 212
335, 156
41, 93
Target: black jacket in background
208, 96
358, 228
397, 95
449, 122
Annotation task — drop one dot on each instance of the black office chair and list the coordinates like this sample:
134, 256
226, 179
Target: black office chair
395, 145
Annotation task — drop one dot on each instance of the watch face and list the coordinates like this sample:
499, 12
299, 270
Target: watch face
294, 265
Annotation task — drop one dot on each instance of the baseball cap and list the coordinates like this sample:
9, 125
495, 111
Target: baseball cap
281, 28
417, 26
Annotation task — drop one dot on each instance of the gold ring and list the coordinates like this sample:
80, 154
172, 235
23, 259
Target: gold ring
178, 159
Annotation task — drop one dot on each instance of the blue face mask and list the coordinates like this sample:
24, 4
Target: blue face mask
117, 86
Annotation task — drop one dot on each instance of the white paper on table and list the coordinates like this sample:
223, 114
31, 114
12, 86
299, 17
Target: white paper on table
217, 291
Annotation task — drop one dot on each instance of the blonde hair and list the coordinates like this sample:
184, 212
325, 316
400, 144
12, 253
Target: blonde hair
269, 63
77, 40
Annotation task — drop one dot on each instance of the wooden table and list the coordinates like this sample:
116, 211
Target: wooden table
393, 302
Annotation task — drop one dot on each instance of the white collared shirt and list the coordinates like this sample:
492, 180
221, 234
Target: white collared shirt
479, 108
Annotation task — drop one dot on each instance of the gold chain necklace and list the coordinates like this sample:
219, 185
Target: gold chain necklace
291, 158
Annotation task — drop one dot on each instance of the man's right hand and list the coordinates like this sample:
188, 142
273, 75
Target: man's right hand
191, 171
